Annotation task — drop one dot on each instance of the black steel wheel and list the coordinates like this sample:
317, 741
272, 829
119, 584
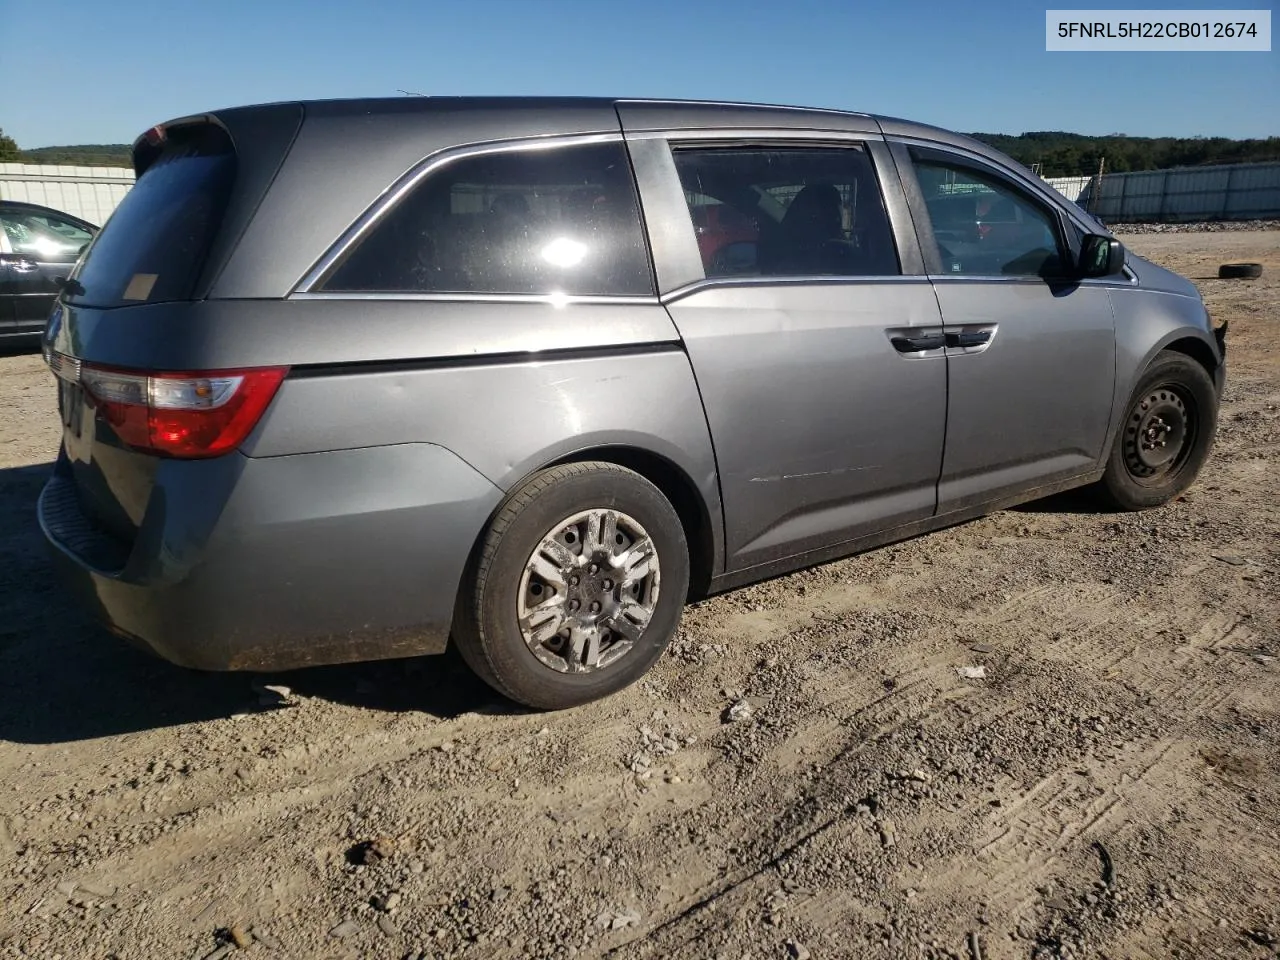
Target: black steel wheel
1166, 435
1159, 433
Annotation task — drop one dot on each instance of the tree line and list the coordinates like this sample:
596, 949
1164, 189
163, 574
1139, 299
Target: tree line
1071, 154
83, 155
1058, 154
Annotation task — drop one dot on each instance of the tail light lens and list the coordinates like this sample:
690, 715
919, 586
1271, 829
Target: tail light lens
182, 414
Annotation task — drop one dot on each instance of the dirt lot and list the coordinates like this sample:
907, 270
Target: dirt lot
1109, 790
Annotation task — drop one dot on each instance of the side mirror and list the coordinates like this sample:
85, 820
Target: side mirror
1100, 256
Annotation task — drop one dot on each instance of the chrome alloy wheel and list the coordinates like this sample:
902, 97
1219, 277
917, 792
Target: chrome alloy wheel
588, 591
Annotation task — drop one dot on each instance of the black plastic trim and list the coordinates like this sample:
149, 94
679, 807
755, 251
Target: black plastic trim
483, 360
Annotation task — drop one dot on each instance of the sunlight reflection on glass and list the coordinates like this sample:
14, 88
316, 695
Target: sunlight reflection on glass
564, 252
47, 247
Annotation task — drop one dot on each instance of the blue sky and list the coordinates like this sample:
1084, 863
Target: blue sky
81, 72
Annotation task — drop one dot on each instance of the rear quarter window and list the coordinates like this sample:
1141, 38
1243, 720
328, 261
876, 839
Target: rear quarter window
155, 244
550, 221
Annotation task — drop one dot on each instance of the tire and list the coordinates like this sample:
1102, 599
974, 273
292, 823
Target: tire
517, 563
1239, 271
1174, 402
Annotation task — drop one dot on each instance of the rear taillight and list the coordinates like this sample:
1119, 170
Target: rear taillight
181, 414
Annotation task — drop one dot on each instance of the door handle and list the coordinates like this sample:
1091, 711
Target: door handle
977, 338
935, 341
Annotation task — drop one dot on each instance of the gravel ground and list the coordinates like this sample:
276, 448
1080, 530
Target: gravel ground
1212, 226
813, 771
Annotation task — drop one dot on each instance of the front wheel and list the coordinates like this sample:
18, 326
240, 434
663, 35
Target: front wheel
1166, 434
577, 588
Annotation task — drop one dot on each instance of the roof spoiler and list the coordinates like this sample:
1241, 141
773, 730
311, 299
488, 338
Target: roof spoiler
149, 145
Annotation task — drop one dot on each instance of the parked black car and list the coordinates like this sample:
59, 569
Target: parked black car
38, 247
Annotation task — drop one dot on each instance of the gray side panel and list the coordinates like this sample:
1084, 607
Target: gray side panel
300, 560
672, 241
823, 431
262, 137
343, 159
910, 256
220, 334
1033, 406
1152, 276
388, 531
1147, 321
507, 419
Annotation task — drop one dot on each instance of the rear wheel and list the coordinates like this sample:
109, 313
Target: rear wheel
577, 588
1166, 435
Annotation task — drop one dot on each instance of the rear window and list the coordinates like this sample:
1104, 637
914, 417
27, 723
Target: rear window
564, 220
155, 244
787, 211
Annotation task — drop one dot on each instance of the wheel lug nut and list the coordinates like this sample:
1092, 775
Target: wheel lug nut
573, 581
607, 585
593, 569
595, 607
574, 604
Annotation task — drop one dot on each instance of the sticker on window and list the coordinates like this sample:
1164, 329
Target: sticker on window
139, 287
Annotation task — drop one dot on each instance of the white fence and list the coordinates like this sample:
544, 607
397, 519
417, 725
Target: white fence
90, 193
1237, 191
1073, 188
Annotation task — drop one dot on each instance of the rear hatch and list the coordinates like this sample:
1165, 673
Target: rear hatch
155, 259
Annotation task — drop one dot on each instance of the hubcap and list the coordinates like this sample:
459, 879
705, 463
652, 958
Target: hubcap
1157, 434
588, 591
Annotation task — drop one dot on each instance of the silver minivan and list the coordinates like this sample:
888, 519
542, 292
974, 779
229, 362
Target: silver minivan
354, 379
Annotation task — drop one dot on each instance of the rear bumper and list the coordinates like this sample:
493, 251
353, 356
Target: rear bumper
282, 562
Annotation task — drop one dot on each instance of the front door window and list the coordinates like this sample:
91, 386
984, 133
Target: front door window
984, 227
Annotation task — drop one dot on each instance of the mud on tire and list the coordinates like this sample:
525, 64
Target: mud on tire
576, 588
